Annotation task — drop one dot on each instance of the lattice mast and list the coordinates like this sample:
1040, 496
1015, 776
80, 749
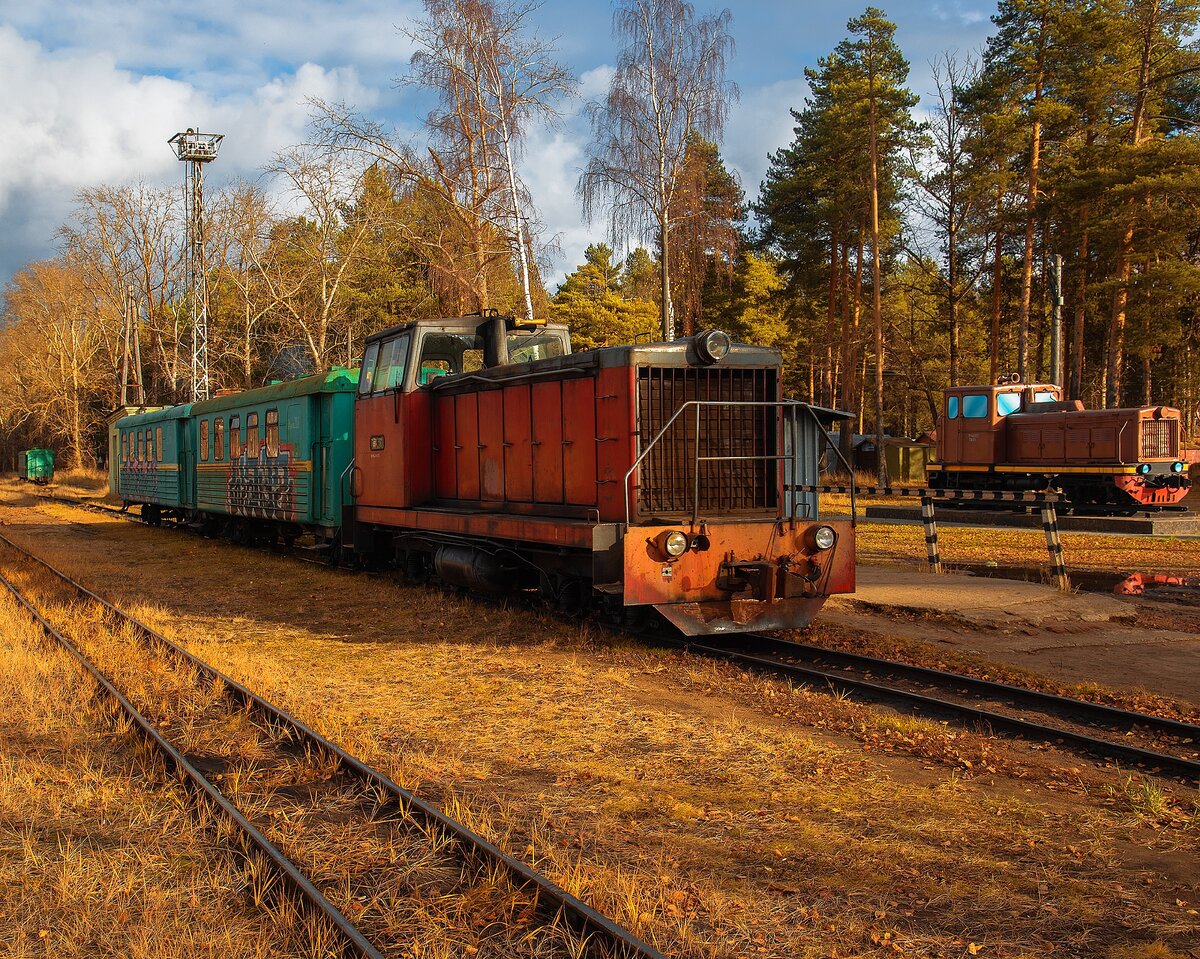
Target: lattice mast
196, 149
133, 391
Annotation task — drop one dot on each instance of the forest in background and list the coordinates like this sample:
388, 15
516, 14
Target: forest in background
889, 252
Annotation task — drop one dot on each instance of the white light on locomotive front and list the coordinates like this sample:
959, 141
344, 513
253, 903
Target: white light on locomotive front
824, 537
676, 543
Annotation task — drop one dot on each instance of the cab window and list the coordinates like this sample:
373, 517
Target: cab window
272, 433
975, 406
367, 375
952, 408
235, 437
446, 353
525, 347
219, 437
1043, 397
393, 356
1007, 403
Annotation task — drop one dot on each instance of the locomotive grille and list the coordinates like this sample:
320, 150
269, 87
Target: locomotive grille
1160, 439
666, 483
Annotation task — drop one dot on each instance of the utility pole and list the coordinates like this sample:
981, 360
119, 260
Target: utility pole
1056, 351
196, 149
133, 392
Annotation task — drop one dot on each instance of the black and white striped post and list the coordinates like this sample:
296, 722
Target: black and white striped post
929, 521
1058, 565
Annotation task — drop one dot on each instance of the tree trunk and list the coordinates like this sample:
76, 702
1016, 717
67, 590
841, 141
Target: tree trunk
997, 279
664, 249
1076, 388
877, 285
1035, 149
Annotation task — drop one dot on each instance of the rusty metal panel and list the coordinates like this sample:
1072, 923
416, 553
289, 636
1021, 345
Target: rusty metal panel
445, 467
518, 449
615, 439
651, 577
491, 446
551, 530
579, 441
466, 445
547, 442
1053, 444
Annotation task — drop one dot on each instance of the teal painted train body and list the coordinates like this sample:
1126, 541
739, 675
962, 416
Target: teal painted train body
154, 470
278, 455
280, 452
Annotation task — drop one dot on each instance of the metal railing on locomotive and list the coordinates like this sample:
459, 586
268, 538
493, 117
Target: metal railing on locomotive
788, 411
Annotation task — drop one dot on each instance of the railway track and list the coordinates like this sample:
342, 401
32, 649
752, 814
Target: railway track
291, 776
940, 694
956, 697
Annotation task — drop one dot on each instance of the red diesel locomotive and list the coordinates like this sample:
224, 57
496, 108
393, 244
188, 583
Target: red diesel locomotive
663, 475
1015, 437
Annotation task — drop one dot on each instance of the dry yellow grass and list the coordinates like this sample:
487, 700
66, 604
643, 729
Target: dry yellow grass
718, 814
100, 852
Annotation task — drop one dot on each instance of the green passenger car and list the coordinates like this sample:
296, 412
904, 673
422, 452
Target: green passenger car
154, 469
279, 454
36, 466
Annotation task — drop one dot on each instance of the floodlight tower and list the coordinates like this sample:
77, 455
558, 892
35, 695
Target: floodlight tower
196, 149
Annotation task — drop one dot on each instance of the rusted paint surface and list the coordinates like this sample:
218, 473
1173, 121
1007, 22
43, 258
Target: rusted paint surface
651, 577
739, 616
579, 441
548, 412
615, 439
518, 451
533, 529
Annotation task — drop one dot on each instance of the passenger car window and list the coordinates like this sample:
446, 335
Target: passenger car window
124, 447
149, 446
952, 408
219, 438
1007, 403
272, 433
975, 406
367, 375
204, 440
252, 435
141, 446
158, 443
235, 437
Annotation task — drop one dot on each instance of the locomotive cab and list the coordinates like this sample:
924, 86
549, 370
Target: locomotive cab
972, 429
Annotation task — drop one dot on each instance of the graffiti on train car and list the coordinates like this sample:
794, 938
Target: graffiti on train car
263, 487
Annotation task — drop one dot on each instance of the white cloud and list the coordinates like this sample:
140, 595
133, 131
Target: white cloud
759, 124
593, 84
73, 120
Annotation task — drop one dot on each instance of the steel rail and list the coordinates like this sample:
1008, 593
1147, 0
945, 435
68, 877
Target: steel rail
1155, 762
1097, 713
583, 919
178, 761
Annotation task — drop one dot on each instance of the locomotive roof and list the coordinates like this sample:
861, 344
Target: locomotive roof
330, 381
470, 322
677, 354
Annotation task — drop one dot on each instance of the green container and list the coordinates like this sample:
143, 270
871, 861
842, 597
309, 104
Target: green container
36, 466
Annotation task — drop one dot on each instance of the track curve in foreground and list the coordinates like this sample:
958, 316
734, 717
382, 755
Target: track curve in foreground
602, 932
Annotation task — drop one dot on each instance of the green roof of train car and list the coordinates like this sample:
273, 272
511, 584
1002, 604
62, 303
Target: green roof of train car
331, 381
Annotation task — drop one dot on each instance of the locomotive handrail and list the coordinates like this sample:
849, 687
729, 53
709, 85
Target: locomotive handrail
780, 405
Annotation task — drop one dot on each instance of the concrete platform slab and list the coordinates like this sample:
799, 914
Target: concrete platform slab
981, 601
1166, 524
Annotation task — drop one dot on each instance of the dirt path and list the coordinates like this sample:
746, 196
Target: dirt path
1076, 638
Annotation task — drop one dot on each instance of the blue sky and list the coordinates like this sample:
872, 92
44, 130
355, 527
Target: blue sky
93, 89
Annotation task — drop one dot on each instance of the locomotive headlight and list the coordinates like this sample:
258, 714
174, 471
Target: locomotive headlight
1144, 468
675, 543
824, 537
712, 346
1176, 467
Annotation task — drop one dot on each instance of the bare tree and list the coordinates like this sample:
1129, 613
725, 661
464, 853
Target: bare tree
305, 265
493, 79
669, 83
53, 353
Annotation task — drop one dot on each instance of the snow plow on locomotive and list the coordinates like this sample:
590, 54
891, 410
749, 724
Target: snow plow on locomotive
1027, 437
480, 450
